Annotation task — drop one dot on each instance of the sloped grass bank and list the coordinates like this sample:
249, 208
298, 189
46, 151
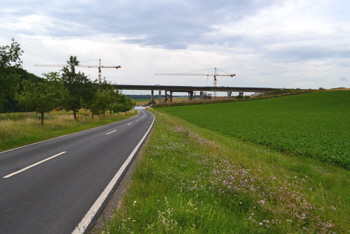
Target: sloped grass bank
314, 125
194, 180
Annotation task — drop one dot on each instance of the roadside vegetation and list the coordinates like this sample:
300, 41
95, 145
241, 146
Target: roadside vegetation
191, 179
17, 129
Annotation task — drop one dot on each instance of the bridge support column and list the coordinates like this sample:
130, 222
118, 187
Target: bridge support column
240, 94
201, 94
160, 96
229, 95
190, 95
152, 95
171, 96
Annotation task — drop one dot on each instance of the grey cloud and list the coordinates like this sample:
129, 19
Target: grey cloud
306, 53
170, 24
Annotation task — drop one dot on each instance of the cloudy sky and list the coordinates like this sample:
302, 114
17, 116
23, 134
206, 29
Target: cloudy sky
267, 43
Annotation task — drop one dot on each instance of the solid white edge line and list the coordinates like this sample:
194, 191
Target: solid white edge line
85, 222
110, 132
33, 165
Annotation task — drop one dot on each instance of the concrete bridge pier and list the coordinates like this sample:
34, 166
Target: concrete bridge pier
190, 93
201, 94
152, 95
229, 95
241, 93
160, 96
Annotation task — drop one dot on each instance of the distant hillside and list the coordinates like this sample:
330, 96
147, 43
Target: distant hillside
20, 74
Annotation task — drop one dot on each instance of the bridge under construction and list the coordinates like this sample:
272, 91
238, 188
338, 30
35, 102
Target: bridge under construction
191, 90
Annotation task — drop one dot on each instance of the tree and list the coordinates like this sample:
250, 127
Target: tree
79, 88
10, 54
42, 96
104, 97
123, 104
9, 80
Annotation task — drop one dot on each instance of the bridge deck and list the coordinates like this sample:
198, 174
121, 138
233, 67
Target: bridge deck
190, 90
173, 88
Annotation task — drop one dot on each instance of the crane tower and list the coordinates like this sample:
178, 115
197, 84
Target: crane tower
198, 74
99, 66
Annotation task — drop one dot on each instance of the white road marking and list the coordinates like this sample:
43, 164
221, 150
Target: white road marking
129, 124
85, 222
33, 165
110, 132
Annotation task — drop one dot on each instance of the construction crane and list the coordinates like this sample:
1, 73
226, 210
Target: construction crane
198, 74
99, 66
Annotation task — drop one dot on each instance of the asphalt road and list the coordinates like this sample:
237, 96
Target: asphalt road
49, 187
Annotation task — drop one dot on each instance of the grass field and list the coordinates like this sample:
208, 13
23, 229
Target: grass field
191, 179
140, 102
315, 125
17, 129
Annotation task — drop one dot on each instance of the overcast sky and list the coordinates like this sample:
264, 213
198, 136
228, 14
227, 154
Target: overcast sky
266, 43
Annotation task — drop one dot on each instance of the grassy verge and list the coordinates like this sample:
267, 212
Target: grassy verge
193, 180
25, 128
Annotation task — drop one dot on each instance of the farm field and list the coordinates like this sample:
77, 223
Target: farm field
189, 179
316, 125
146, 101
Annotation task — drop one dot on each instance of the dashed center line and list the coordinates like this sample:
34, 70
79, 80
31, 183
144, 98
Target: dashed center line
33, 165
129, 124
110, 132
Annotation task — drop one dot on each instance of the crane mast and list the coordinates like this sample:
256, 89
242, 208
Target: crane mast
99, 66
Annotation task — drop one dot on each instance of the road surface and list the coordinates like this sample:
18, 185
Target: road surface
58, 185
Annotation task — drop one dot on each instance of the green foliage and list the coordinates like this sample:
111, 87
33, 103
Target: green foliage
123, 104
315, 125
11, 76
43, 96
10, 55
103, 98
79, 88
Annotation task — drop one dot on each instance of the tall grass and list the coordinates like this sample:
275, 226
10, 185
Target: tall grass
18, 129
194, 180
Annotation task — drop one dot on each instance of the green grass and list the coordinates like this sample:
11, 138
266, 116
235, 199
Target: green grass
17, 129
194, 180
315, 125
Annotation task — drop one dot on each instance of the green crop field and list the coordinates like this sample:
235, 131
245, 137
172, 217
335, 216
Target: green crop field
316, 125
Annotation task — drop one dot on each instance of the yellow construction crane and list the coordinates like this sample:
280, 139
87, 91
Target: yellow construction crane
198, 74
99, 66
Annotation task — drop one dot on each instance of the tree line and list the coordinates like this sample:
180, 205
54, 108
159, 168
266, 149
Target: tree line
69, 90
